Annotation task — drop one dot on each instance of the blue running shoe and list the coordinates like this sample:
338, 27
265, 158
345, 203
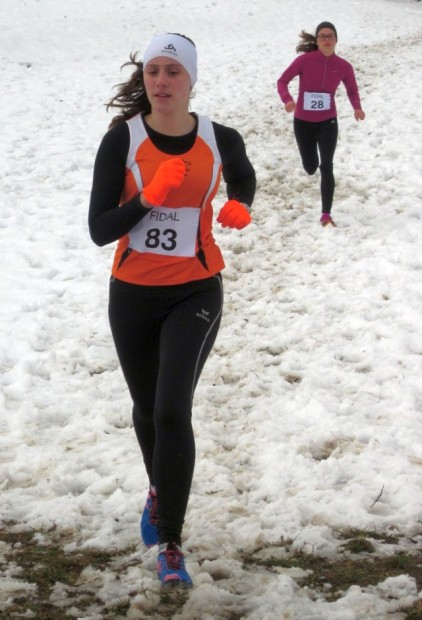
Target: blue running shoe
149, 521
171, 567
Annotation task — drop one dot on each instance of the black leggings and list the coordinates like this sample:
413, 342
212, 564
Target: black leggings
163, 336
322, 137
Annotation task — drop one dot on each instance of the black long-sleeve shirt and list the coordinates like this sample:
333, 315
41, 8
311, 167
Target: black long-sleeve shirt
107, 223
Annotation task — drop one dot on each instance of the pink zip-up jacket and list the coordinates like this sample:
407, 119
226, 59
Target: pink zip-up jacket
318, 74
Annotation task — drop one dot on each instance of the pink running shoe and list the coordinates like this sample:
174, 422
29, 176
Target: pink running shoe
326, 219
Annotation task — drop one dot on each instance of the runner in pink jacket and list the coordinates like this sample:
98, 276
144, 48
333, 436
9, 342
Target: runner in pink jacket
320, 72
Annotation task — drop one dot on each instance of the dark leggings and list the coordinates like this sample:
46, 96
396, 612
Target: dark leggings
163, 336
322, 137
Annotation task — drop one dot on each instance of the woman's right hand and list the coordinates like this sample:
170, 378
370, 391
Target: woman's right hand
169, 175
290, 106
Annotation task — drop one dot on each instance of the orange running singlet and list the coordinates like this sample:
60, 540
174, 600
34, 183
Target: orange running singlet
172, 244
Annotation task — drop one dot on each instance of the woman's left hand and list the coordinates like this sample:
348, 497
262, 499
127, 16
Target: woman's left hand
359, 115
234, 215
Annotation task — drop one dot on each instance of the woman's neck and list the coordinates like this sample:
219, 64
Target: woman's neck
171, 124
327, 53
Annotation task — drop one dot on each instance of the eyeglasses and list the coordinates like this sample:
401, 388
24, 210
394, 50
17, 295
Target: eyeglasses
326, 37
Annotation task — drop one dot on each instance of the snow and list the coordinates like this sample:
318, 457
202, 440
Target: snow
308, 413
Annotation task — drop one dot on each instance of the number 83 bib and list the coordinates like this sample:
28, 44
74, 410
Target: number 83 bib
167, 231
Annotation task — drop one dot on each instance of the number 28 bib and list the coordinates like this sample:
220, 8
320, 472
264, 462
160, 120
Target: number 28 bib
167, 231
316, 102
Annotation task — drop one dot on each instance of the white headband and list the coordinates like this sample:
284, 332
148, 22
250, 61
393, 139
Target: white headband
176, 47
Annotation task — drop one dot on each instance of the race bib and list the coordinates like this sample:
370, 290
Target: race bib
316, 102
167, 231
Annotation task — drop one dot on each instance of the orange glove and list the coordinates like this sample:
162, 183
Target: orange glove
169, 175
234, 215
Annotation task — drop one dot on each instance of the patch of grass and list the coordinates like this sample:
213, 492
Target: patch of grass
354, 533
334, 577
293, 379
359, 545
415, 612
38, 558
45, 564
341, 574
171, 601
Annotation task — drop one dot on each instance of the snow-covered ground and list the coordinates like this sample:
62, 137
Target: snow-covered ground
308, 413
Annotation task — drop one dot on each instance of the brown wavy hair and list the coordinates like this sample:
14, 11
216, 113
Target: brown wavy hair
131, 97
308, 42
